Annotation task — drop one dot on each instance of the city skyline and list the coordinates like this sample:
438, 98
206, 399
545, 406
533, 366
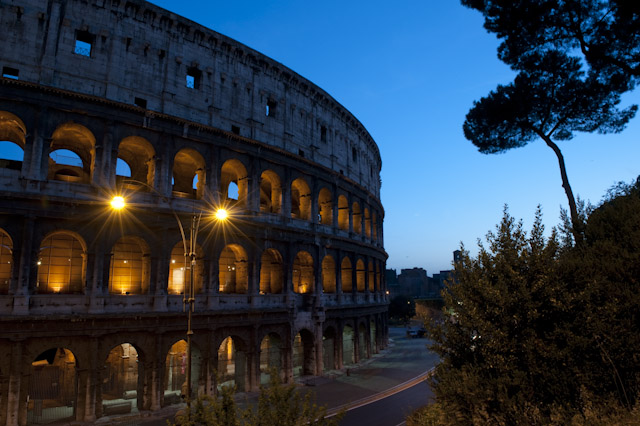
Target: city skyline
410, 73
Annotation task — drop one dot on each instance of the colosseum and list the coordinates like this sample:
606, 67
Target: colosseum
104, 98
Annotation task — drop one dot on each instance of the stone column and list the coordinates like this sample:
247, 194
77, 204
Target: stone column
13, 402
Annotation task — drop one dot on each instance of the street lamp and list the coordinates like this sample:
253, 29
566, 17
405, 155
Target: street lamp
221, 215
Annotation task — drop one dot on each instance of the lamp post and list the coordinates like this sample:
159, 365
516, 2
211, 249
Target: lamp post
118, 203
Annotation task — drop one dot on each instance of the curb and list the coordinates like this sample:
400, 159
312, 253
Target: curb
380, 395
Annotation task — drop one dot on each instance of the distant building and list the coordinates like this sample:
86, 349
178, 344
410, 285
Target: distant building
415, 283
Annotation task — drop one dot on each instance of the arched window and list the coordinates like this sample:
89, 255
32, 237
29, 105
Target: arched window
328, 275
234, 182
139, 156
367, 223
130, 267
72, 154
180, 270
343, 213
188, 174
271, 272
52, 390
233, 272
12, 141
303, 276
300, 200
270, 192
347, 275
371, 277
325, 203
61, 264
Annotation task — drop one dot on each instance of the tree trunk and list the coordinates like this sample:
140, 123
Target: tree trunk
575, 219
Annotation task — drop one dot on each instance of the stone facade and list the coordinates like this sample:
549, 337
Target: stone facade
92, 318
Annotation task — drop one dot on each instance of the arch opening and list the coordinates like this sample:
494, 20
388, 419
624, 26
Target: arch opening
61, 264
130, 267
343, 213
300, 200
347, 346
303, 274
52, 389
270, 192
325, 203
180, 270
270, 357
303, 354
346, 273
139, 156
357, 218
360, 274
329, 349
271, 272
120, 380
328, 275
234, 271
234, 182
231, 365
72, 154
188, 168
175, 377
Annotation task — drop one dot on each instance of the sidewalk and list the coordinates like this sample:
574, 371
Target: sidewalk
403, 363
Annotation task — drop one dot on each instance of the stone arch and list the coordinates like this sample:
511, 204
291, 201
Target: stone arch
367, 222
130, 266
120, 380
329, 349
360, 274
356, 217
179, 270
303, 273
300, 199
348, 346
325, 207
346, 273
270, 357
270, 192
175, 377
303, 354
12, 141
61, 263
52, 389
232, 363
271, 272
6, 261
139, 155
328, 274
233, 172
371, 276
77, 139
233, 270
343, 213
188, 171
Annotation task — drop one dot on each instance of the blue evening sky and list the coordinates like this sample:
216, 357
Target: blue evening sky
409, 71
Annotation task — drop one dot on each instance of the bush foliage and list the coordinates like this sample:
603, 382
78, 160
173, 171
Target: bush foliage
538, 333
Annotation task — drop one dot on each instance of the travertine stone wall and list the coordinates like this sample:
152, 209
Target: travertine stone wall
139, 50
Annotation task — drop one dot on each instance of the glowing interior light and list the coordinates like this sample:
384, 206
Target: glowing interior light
117, 203
173, 261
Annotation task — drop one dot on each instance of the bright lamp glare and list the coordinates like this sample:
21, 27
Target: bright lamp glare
117, 203
222, 214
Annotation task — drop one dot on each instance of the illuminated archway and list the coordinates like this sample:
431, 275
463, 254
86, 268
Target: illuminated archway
303, 275
367, 223
188, 174
360, 273
271, 272
120, 380
328, 275
346, 273
175, 377
61, 264
72, 154
325, 206
343, 213
52, 390
233, 272
180, 270
300, 200
233, 178
139, 155
270, 192
130, 266
357, 218
232, 364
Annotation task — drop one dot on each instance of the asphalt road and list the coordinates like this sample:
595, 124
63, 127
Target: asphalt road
390, 411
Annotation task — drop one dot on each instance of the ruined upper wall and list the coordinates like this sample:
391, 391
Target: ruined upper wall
145, 55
